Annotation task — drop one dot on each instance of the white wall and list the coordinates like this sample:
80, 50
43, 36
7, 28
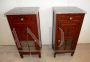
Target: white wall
45, 18
85, 31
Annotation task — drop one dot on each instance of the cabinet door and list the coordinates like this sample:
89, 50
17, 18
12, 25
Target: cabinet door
70, 32
32, 25
21, 30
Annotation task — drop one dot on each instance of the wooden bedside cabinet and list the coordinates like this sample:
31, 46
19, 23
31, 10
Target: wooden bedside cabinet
67, 22
25, 26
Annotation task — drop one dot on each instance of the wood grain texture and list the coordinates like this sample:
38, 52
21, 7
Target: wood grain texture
71, 24
20, 22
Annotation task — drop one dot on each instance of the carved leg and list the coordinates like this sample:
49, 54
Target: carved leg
21, 55
72, 53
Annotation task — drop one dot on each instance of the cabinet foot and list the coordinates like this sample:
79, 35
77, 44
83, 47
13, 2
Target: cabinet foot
72, 53
21, 55
39, 55
54, 55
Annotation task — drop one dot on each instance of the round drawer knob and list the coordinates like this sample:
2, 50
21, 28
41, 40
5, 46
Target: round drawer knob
58, 40
70, 18
21, 19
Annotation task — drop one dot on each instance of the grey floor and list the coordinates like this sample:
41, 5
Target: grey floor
10, 54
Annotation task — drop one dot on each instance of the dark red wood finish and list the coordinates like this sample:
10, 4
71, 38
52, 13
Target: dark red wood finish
71, 28
29, 21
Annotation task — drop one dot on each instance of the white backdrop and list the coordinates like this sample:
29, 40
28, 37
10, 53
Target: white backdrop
45, 18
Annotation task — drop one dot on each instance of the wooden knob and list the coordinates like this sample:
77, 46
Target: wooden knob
58, 40
22, 19
70, 18
34, 40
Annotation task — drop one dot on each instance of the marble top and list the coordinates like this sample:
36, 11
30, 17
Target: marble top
23, 10
67, 10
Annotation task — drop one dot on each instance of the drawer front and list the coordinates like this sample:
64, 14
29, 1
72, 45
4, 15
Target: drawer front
62, 17
17, 19
70, 18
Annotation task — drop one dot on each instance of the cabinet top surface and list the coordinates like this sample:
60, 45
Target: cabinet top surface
67, 10
23, 11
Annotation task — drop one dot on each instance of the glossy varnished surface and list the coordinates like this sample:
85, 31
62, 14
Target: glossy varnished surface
69, 20
20, 19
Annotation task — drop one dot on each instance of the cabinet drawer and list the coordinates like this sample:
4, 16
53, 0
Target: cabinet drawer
22, 19
17, 19
62, 17
69, 18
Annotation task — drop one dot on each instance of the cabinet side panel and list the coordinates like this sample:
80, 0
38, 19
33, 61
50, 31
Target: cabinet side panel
54, 29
